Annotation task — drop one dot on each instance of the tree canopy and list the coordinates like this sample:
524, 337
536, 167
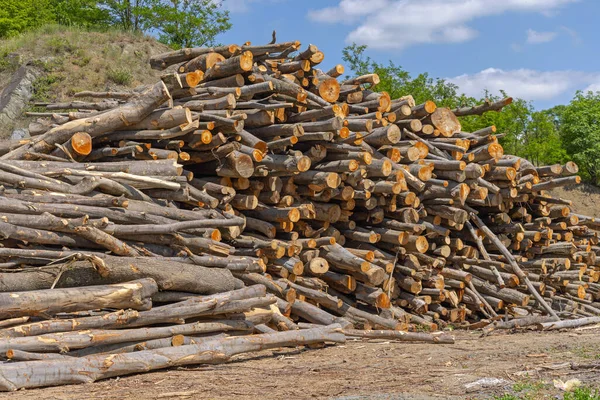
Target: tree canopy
579, 126
177, 23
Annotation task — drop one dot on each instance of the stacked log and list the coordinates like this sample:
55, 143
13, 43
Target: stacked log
248, 165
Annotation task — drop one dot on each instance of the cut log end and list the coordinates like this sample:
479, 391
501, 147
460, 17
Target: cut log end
81, 142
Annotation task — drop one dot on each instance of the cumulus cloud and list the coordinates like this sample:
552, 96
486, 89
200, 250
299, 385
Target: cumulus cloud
535, 37
398, 24
527, 83
594, 87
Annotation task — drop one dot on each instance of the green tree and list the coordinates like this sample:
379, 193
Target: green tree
130, 15
18, 16
177, 23
187, 23
82, 13
579, 128
398, 82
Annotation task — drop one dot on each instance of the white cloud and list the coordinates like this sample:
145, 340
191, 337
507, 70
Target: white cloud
387, 24
535, 37
594, 87
526, 83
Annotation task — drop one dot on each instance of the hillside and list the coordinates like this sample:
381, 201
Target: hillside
68, 60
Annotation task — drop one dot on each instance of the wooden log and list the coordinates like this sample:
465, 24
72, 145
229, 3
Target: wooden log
436, 337
169, 275
569, 323
486, 106
219, 350
162, 61
130, 113
134, 294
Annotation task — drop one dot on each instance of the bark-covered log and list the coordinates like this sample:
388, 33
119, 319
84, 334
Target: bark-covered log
134, 294
132, 112
32, 374
169, 275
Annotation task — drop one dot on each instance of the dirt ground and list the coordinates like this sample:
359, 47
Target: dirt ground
527, 362
585, 198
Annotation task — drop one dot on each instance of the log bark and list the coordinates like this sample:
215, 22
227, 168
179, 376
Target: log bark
33, 374
169, 275
132, 112
134, 294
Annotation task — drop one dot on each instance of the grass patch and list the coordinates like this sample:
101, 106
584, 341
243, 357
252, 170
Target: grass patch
80, 58
506, 396
528, 386
49, 65
586, 352
60, 45
120, 76
6, 64
583, 393
43, 87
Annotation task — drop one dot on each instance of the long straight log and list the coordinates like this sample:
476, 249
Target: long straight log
92, 368
401, 336
169, 275
135, 294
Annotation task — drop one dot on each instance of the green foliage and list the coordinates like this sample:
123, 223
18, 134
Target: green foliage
398, 82
187, 23
178, 23
506, 396
60, 45
18, 16
579, 125
43, 85
528, 386
48, 65
583, 393
81, 59
6, 63
130, 15
80, 13
120, 76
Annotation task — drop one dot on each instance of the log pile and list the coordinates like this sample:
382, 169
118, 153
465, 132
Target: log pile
251, 192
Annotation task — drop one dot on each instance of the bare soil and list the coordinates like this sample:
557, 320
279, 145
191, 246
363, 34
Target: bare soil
528, 362
585, 198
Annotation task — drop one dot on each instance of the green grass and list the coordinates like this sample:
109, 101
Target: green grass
586, 352
43, 87
81, 59
60, 45
583, 393
120, 76
506, 396
528, 386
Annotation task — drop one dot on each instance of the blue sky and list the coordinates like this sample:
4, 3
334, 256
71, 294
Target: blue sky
540, 50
